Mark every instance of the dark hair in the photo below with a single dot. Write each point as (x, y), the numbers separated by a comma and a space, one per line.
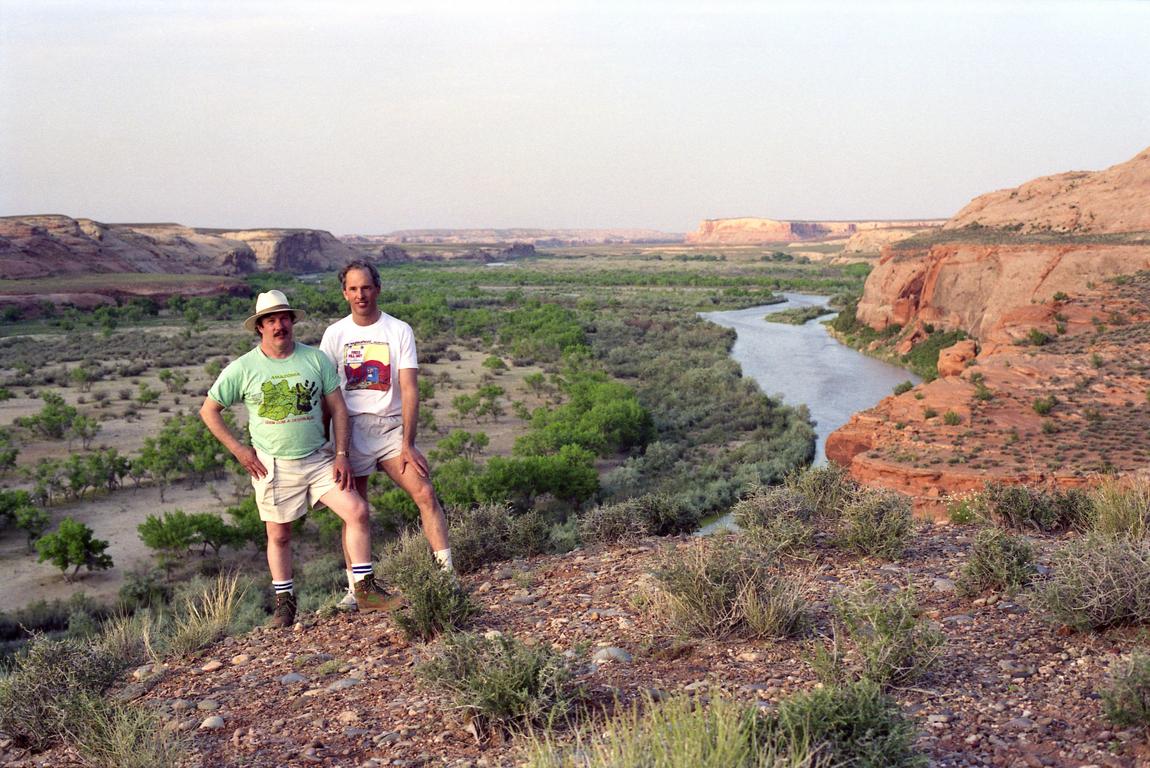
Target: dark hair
(260, 320)
(366, 266)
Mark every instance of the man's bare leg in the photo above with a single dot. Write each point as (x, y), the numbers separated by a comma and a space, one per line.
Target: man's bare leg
(419, 488)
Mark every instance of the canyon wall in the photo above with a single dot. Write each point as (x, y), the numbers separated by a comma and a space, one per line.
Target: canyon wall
(1052, 283)
(760, 231)
(50, 245)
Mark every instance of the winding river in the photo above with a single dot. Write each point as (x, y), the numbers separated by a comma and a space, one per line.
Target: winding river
(803, 364)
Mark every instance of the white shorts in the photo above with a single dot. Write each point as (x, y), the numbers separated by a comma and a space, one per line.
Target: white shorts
(374, 439)
(292, 486)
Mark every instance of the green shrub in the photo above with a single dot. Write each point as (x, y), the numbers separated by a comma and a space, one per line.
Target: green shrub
(1098, 582)
(967, 508)
(612, 522)
(1126, 696)
(775, 521)
(1044, 405)
(503, 681)
(37, 697)
(205, 616)
(479, 536)
(828, 488)
(1020, 506)
(144, 587)
(998, 561)
(112, 734)
(675, 733)
(1121, 507)
(877, 637)
(435, 600)
(877, 523)
(951, 419)
(711, 590)
(902, 387)
(850, 725)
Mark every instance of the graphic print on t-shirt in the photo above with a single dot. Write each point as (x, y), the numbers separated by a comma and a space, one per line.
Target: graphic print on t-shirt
(281, 399)
(367, 365)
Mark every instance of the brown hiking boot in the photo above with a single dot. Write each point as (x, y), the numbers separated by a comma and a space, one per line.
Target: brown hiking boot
(284, 614)
(369, 596)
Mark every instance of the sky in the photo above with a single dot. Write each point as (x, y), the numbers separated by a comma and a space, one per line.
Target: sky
(368, 117)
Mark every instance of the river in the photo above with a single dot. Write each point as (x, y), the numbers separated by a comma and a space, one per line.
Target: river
(804, 364)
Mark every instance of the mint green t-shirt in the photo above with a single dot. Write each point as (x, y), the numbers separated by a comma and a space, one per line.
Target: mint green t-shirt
(282, 396)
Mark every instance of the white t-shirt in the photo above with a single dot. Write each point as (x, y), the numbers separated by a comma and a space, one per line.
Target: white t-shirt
(368, 358)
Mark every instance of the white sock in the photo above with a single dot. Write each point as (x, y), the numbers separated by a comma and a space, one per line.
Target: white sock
(282, 587)
(443, 556)
(350, 580)
(359, 571)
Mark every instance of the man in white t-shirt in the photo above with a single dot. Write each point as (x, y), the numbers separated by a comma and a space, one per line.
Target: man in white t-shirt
(375, 356)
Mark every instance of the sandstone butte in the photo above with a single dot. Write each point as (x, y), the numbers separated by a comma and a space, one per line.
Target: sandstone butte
(1049, 282)
(759, 231)
(81, 259)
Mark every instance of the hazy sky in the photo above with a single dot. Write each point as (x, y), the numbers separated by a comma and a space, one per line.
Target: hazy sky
(373, 116)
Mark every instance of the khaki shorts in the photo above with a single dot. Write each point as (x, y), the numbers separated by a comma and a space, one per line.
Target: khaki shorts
(374, 439)
(292, 486)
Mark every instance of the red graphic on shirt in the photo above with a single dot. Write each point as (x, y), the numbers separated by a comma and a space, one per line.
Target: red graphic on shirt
(367, 365)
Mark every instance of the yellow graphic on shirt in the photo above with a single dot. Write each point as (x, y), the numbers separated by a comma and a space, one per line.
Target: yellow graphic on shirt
(367, 365)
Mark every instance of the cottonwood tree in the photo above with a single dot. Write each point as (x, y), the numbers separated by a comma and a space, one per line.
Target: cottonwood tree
(74, 546)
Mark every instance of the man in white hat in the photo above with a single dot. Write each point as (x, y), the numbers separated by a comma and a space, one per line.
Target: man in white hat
(282, 383)
(375, 356)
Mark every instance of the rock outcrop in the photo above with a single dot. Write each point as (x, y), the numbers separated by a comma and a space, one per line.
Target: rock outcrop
(1052, 280)
(52, 245)
(759, 231)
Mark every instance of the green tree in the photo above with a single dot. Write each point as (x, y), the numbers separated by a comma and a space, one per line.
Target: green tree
(246, 521)
(73, 546)
(211, 531)
(33, 521)
(460, 443)
(170, 535)
(8, 451)
(83, 428)
(53, 420)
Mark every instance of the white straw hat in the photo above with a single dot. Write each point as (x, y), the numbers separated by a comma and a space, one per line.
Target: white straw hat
(267, 303)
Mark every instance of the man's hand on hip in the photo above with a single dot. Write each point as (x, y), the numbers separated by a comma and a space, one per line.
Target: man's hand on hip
(246, 456)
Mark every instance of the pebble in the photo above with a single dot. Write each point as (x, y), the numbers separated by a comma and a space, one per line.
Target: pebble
(944, 585)
(179, 705)
(213, 723)
(142, 672)
(208, 705)
(347, 682)
(348, 716)
(212, 666)
(612, 653)
(958, 618)
(240, 659)
(292, 678)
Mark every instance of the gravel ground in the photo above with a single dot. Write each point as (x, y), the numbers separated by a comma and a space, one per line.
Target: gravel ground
(1012, 689)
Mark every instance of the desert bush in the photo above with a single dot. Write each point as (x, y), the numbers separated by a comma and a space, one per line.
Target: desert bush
(877, 523)
(503, 681)
(877, 637)
(435, 600)
(112, 734)
(144, 587)
(711, 589)
(611, 522)
(73, 546)
(1023, 507)
(849, 725)
(903, 387)
(1126, 695)
(828, 488)
(528, 534)
(998, 560)
(967, 508)
(1098, 582)
(677, 732)
(38, 694)
(775, 521)
(479, 536)
(204, 617)
(1121, 507)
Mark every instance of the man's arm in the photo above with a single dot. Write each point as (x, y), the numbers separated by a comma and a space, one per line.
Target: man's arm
(409, 454)
(340, 437)
(211, 413)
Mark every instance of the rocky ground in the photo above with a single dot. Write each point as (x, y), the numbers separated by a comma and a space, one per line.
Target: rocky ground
(1011, 688)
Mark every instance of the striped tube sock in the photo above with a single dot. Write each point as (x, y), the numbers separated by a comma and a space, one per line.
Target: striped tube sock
(282, 587)
(359, 571)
